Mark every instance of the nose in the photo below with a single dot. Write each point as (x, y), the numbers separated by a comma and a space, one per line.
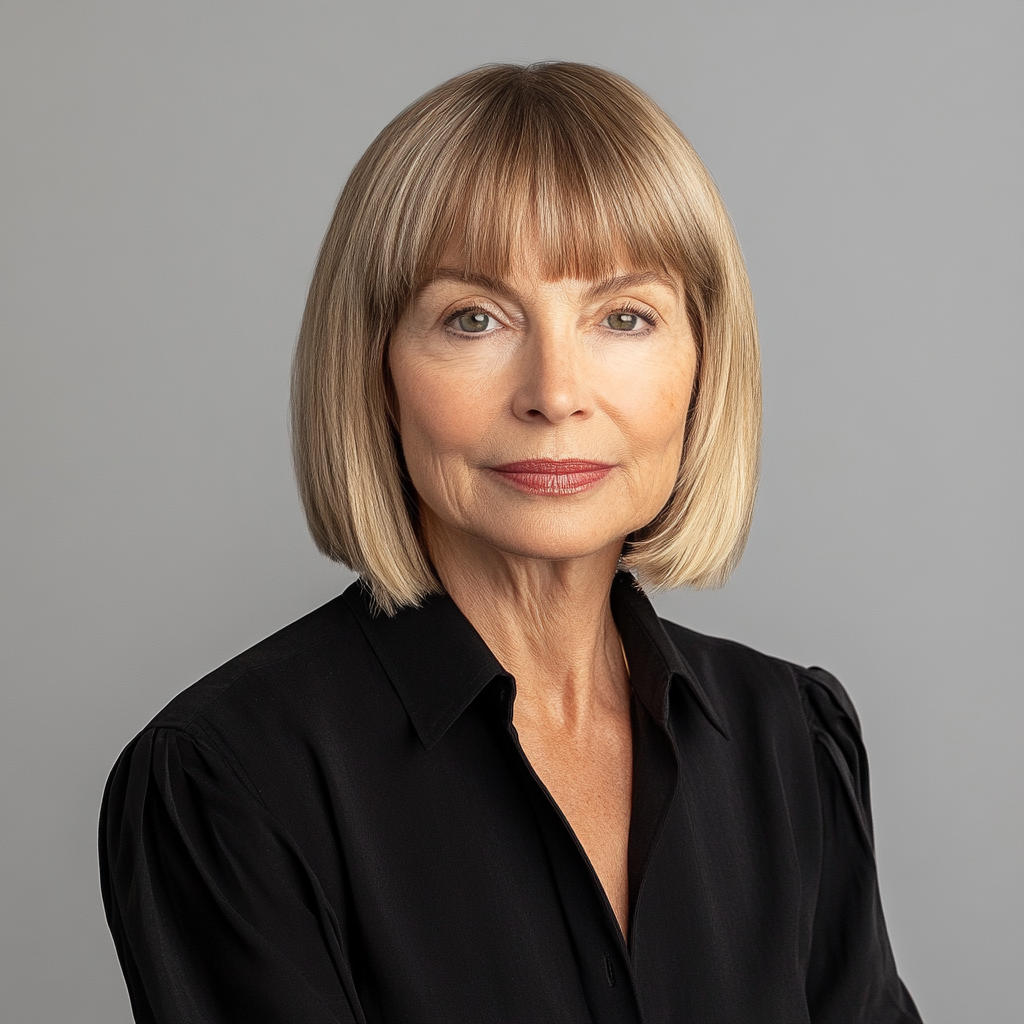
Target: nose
(552, 385)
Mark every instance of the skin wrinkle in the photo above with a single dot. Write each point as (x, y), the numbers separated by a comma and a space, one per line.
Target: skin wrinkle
(533, 572)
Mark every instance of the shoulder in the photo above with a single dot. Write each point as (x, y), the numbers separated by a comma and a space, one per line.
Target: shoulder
(767, 701)
(309, 699)
(299, 671)
(738, 674)
(756, 693)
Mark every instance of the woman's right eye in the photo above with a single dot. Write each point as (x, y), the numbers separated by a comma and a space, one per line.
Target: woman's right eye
(472, 321)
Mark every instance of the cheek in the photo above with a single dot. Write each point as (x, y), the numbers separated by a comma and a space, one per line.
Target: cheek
(653, 405)
(441, 411)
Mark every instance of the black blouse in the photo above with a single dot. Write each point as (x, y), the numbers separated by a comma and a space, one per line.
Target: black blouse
(340, 825)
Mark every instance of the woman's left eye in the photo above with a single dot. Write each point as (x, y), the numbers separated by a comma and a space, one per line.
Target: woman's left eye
(625, 321)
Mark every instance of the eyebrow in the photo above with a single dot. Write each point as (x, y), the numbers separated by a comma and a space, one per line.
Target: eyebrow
(616, 283)
(464, 277)
(621, 282)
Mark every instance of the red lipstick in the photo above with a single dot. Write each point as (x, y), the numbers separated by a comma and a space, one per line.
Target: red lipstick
(553, 476)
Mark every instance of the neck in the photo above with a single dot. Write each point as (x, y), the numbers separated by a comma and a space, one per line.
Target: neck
(548, 622)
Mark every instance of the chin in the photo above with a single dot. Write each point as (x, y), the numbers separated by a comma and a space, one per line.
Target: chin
(553, 529)
(553, 552)
(558, 542)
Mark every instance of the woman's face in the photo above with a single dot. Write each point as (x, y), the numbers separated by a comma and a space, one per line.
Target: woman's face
(544, 418)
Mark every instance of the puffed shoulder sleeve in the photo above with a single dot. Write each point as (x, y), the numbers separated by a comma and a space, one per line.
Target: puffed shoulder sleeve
(852, 976)
(215, 914)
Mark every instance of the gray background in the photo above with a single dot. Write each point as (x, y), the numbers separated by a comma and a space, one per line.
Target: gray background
(167, 173)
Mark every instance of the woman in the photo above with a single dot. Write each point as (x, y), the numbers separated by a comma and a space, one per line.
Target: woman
(487, 783)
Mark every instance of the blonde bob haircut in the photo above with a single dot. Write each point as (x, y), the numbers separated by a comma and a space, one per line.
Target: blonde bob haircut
(586, 163)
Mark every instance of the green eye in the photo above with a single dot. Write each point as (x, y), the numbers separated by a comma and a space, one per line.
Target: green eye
(473, 323)
(623, 321)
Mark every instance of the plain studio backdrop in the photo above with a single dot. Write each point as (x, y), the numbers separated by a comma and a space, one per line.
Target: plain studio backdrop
(167, 173)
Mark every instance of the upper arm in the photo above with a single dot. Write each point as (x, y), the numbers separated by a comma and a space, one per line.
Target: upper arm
(214, 911)
(852, 974)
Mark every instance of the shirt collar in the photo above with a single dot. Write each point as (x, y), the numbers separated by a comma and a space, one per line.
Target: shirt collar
(654, 660)
(439, 664)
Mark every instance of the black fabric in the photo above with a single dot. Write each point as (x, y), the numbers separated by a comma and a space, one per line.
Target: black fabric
(340, 825)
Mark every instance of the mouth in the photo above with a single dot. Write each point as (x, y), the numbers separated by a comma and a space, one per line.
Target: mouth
(553, 476)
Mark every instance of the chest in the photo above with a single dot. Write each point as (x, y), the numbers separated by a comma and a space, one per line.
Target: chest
(589, 776)
(461, 896)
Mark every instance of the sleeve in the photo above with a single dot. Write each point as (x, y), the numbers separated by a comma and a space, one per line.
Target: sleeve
(215, 915)
(852, 976)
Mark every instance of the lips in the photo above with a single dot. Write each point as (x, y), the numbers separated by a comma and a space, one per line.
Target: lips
(553, 476)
